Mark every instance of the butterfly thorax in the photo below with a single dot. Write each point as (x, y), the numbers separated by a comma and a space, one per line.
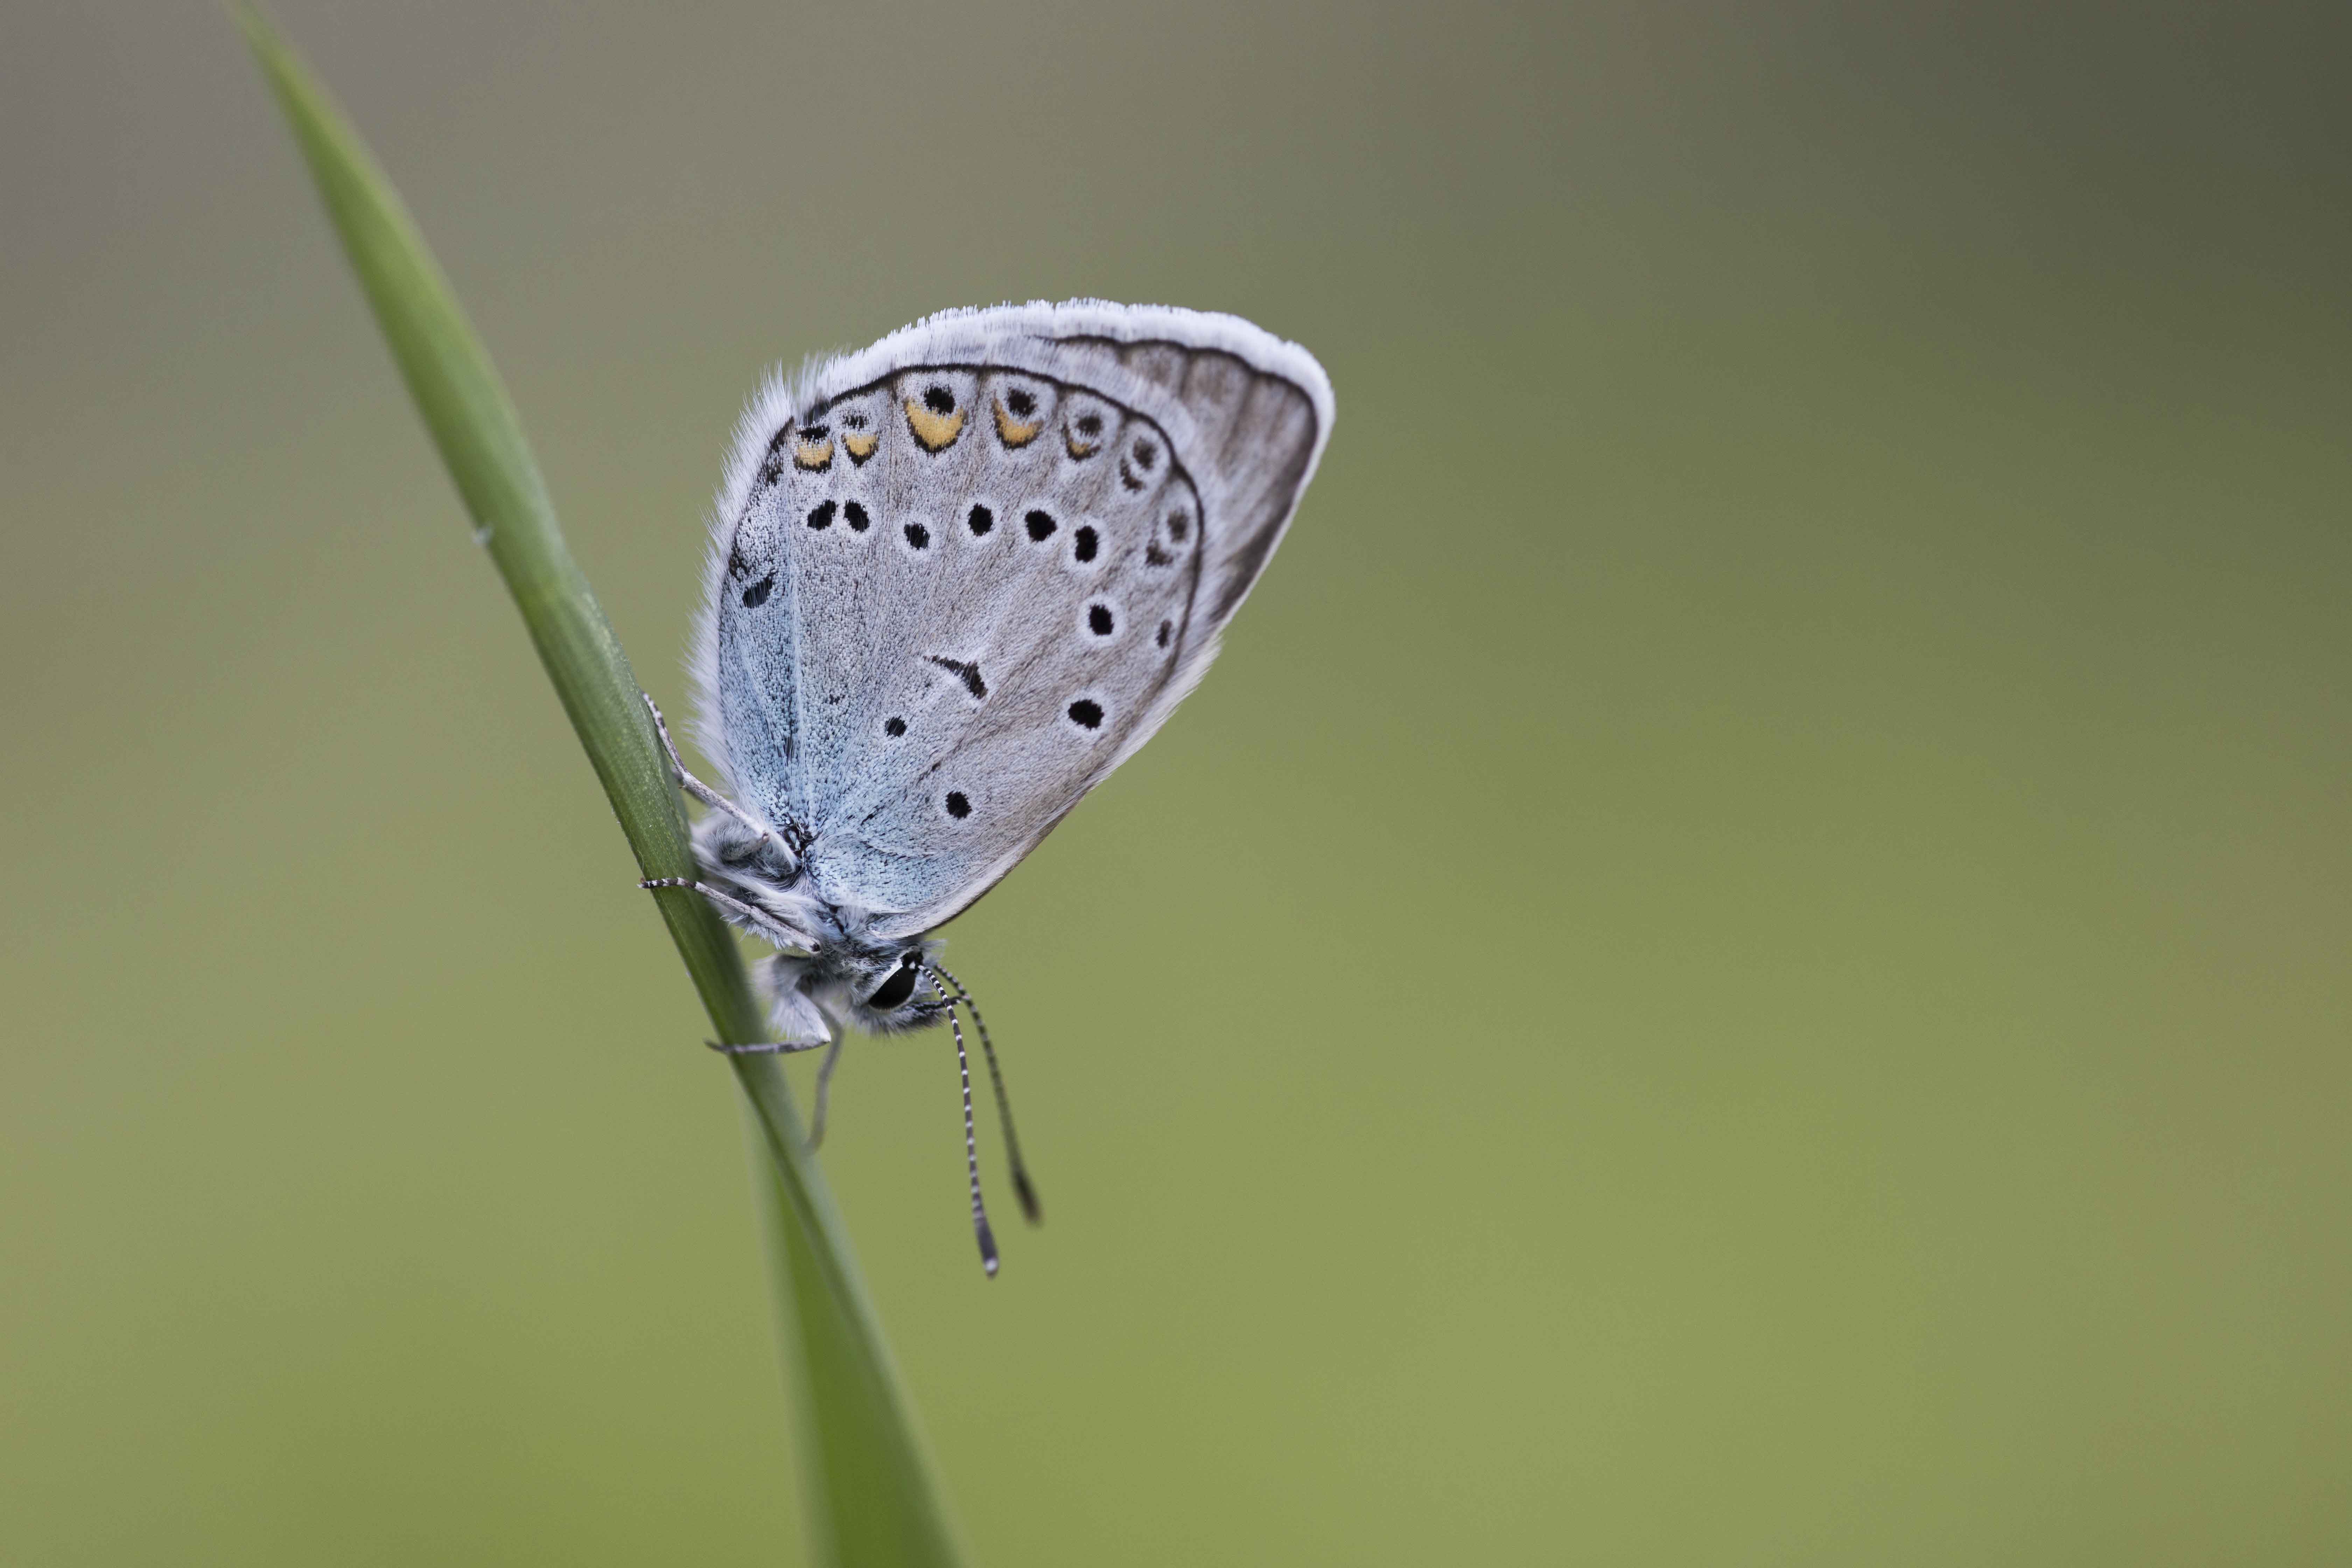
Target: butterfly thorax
(832, 968)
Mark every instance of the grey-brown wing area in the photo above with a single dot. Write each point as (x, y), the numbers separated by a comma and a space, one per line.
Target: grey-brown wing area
(1250, 439)
(987, 585)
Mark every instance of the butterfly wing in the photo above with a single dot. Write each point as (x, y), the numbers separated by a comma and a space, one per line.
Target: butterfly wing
(961, 576)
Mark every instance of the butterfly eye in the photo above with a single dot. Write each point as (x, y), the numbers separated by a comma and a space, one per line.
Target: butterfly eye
(895, 990)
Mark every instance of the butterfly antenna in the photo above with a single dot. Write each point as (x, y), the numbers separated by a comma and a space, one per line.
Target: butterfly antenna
(971, 1156)
(1021, 1185)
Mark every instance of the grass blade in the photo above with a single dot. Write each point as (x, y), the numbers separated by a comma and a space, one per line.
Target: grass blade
(871, 1494)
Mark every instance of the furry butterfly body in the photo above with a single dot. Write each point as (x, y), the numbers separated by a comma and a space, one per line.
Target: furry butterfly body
(954, 580)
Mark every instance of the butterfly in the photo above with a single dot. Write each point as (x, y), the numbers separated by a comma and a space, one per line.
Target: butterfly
(954, 580)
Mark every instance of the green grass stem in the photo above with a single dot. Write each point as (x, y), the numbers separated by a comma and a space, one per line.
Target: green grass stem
(871, 1494)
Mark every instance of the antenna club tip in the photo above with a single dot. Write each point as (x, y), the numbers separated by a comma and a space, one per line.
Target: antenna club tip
(1028, 1196)
(987, 1249)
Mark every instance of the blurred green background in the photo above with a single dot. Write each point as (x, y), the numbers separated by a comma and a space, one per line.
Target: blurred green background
(1744, 960)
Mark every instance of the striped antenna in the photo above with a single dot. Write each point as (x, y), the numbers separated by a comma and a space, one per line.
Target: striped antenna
(1020, 1183)
(971, 1153)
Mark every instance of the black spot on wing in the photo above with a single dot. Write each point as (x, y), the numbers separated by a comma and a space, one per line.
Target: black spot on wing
(968, 673)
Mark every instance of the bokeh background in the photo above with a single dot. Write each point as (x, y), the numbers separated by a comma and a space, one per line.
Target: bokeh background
(1743, 961)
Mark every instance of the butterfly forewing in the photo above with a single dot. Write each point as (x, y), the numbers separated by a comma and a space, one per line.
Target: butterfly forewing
(961, 589)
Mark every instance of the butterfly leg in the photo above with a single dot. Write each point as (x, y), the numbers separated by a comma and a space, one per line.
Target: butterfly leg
(824, 1090)
(772, 1048)
(790, 1047)
(706, 794)
(761, 921)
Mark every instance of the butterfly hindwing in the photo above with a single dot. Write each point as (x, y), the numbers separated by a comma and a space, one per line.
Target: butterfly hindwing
(996, 550)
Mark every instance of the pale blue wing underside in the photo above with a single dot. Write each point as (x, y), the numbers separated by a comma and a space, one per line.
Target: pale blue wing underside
(961, 576)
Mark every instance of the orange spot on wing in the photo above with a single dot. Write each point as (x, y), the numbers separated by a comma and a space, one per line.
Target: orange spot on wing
(934, 431)
(1013, 433)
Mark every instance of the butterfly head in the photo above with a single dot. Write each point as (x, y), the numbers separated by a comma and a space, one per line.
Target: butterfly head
(886, 989)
